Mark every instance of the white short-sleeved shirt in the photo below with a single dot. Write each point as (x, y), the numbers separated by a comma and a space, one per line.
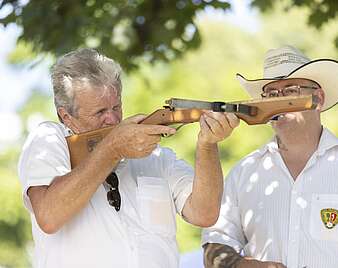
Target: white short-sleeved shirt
(141, 234)
(270, 217)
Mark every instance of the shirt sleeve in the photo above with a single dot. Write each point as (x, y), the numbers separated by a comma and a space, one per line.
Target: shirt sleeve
(44, 156)
(180, 177)
(228, 228)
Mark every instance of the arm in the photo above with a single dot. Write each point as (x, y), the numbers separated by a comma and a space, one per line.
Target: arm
(203, 205)
(58, 203)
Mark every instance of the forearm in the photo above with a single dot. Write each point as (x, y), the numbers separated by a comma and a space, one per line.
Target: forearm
(56, 204)
(205, 201)
(220, 256)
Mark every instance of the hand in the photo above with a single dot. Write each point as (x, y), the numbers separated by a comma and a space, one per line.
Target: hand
(216, 126)
(133, 140)
(247, 263)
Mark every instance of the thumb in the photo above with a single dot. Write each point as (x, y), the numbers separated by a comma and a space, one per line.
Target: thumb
(135, 119)
(158, 129)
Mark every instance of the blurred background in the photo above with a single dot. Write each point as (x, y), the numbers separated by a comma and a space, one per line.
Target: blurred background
(185, 49)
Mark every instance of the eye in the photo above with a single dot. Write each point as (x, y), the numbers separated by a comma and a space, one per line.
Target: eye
(100, 112)
(117, 108)
(291, 90)
(273, 93)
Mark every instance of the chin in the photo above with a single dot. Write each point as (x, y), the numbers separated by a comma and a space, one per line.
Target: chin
(108, 125)
(285, 120)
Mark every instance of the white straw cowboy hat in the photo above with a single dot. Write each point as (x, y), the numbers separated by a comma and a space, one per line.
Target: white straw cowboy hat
(288, 62)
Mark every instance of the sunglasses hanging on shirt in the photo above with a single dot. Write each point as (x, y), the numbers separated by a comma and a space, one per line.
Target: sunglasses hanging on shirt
(113, 195)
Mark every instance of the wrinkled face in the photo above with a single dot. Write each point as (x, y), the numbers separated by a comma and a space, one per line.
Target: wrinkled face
(95, 108)
(295, 87)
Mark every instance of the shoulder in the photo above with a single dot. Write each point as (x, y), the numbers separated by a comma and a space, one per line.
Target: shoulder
(48, 128)
(46, 134)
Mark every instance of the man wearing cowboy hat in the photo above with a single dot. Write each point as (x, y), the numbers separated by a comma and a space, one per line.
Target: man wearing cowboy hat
(280, 204)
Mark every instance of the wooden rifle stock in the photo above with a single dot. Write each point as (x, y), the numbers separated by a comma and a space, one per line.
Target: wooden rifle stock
(260, 112)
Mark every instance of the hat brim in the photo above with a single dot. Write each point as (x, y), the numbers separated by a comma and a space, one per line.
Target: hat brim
(322, 71)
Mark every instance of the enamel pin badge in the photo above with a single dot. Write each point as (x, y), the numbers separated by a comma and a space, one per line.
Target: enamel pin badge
(329, 217)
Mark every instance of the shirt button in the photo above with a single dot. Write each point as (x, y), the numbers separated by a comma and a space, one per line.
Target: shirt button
(297, 227)
(294, 192)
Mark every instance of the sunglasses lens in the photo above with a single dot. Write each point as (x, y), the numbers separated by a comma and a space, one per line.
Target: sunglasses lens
(114, 199)
(112, 180)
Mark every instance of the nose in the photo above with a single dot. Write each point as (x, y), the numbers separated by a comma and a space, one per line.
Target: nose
(112, 118)
(280, 93)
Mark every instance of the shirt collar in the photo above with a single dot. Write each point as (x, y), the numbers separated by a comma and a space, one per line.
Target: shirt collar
(327, 141)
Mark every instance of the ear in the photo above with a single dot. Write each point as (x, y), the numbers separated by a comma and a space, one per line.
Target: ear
(321, 96)
(67, 119)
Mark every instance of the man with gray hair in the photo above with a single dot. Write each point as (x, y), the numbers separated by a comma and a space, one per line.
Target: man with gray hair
(280, 203)
(117, 207)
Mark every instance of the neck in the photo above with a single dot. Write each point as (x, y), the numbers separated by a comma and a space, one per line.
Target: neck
(300, 141)
(297, 147)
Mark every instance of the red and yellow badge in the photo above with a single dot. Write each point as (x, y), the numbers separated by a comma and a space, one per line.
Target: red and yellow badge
(329, 217)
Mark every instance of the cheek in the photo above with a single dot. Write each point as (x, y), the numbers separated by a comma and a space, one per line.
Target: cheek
(94, 124)
(120, 115)
(112, 118)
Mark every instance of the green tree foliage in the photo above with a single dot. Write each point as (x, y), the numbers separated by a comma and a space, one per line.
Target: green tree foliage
(151, 30)
(15, 233)
(319, 12)
(156, 29)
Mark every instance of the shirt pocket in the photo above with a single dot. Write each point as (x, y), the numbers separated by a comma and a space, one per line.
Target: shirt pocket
(324, 217)
(155, 205)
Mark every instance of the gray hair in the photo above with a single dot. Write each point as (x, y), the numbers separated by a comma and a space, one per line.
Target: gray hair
(82, 67)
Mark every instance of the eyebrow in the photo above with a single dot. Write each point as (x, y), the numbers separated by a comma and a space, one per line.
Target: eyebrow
(100, 110)
(103, 109)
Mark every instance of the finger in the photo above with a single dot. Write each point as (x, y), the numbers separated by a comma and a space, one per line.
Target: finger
(149, 149)
(135, 119)
(214, 126)
(221, 118)
(233, 120)
(153, 139)
(206, 131)
(158, 129)
(203, 124)
(145, 139)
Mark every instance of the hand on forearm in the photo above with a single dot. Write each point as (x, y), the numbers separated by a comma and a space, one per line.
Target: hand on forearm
(249, 263)
(216, 126)
(222, 256)
(132, 140)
